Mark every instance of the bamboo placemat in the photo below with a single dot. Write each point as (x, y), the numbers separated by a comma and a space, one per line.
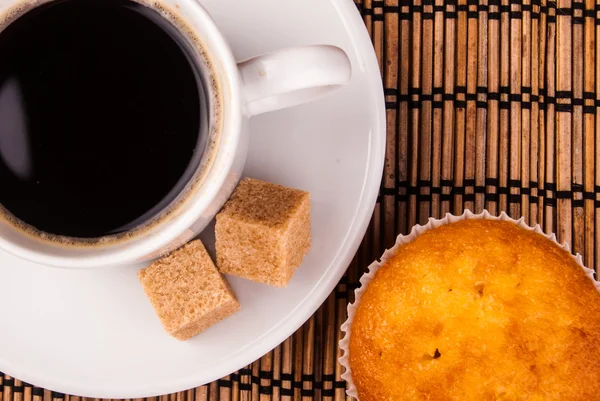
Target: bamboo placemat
(490, 104)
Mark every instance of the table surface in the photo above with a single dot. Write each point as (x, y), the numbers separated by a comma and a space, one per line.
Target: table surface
(488, 106)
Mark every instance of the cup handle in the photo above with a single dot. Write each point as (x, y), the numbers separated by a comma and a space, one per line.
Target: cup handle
(290, 77)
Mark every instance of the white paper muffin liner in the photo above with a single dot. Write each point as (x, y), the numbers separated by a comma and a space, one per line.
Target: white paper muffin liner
(405, 239)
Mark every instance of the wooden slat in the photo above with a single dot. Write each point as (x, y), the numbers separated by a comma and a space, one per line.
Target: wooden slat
(525, 113)
(577, 227)
(438, 117)
(460, 113)
(504, 155)
(390, 175)
(402, 151)
(448, 109)
(425, 131)
(549, 162)
(415, 133)
(534, 149)
(493, 109)
(564, 121)
(589, 82)
(471, 143)
(597, 141)
(483, 129)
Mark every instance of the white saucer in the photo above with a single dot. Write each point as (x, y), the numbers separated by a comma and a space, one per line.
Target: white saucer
(93, 333)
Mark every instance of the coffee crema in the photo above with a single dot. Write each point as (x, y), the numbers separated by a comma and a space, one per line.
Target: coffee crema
(104, 117)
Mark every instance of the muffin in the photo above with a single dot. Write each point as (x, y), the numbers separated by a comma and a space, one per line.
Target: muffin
(480, 309)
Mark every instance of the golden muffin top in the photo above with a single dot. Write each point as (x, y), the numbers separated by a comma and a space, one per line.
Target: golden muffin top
(478, 310)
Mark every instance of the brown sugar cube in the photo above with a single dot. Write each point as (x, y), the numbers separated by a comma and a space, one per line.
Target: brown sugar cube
(187, 291)
(263, 232)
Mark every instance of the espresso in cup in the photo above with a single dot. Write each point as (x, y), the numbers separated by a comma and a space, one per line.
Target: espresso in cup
(105, 117)
(124, 125)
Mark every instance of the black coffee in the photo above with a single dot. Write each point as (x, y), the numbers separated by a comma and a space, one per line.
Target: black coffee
(103, 116)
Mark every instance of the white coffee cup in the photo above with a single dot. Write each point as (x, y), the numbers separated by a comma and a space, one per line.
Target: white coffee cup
(266, 83)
